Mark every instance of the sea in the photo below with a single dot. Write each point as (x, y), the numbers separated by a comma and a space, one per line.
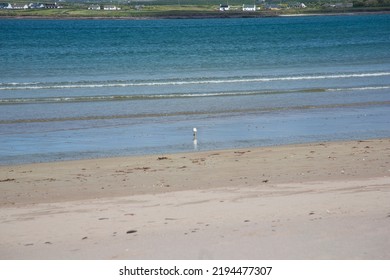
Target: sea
(80, 89)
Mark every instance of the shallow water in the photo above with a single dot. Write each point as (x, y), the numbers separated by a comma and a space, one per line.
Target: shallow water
(72, 89)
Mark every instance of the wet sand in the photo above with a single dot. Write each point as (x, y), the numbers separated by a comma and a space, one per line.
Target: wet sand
(311, 201)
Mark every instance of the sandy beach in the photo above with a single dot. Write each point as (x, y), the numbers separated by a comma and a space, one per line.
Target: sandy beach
(312, 201)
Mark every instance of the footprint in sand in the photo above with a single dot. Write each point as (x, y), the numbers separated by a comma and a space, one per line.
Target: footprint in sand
(162, 158)
(7, 180)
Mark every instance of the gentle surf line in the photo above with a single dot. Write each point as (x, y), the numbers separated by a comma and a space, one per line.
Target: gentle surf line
(12, 101)
(107, 84)
(188, 113)
(73, 99)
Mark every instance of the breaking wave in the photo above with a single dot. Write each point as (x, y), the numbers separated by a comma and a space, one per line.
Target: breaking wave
(177, 82)
(140, 97)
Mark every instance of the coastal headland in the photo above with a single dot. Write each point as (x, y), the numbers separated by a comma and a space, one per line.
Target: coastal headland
(324, 200)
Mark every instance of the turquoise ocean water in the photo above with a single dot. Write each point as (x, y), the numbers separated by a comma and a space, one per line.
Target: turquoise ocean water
(72, 89)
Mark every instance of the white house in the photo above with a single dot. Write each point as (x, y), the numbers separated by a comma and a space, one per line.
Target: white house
(36, 6)
(224, 7)
(249, 8)
(5, 6)
(19, 6)
(44, 6)
(94, 7)
(298, 6)
(50, 6)
(111, 8)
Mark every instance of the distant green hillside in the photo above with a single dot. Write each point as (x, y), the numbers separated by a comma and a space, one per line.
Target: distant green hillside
(193, 8)
(368, 3)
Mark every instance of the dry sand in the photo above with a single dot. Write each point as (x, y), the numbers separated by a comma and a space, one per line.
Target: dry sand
(312, 201)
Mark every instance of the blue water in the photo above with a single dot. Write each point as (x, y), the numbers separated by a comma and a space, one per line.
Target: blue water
(72, 89)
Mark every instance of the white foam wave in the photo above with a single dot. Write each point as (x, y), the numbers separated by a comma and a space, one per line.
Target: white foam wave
(359, 88)
(107, 84)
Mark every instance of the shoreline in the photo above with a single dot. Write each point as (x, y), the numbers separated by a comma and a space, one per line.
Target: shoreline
(151, 174)
(309, 201)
